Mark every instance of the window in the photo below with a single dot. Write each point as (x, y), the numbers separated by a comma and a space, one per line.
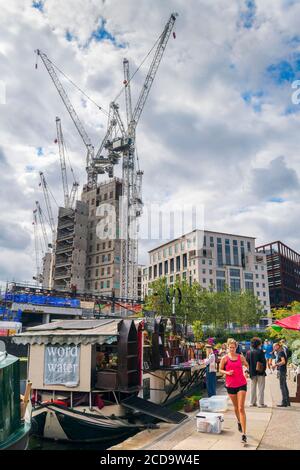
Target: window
(256, 267)
(108, 270)
(210, 262)
(220, 285)
(111, 195)
(103, 246)
(184, 260)
(91, 236)
(265, 303)
(101, 284)
(109, 244)
(177, 248)
(166, 267)
(98, 246)
(90, 260)
(203, 271)
(210, 271)
(262, 268)
(108, 258)
(160, 269)
(97, 259)
(220, 273)
(203, 261)
(96, 285)
(235, 285)
(264, 294)
(256, 276)
(211, 244)
(165, 252)
(155, 270)
(249, 246)
(262, 276)
(257, 284)
(150, 272)
(204, 240)
(102, 272)
(204, 280)
(171, 265)
(97, 272)
(184, 276)
(219, 252)
(249, 285)
(227, 252)
(235, 254)
(264, 285)
(93, 201)
(182, 246)
(177, 263)
(235, 272)
(105, 197)
(171, 278)
(170, 251)
(108, 283)
(258, 293)
(249, 276)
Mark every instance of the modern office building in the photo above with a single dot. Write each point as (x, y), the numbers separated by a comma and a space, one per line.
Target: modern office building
(283, 266)
(214, 260)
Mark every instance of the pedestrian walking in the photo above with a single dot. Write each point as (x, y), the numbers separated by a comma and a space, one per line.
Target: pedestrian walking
(281, 366)
(211, 376)
(257, 371)
(268, 350)
(236, 384)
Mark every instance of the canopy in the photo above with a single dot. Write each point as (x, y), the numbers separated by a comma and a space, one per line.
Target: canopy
(290, 323)
(276, 327)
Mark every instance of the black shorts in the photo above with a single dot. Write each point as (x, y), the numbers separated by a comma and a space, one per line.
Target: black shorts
(235, 390)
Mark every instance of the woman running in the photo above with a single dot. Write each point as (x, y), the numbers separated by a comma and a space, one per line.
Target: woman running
(236, 384)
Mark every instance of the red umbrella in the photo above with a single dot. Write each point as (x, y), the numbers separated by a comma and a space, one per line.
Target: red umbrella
(290, 323)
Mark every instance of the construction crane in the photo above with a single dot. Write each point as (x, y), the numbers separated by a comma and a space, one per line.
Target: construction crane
(132, 177)
(94, 166)
(69, 198)
(45, 189)
(42, 225)
(38, 275)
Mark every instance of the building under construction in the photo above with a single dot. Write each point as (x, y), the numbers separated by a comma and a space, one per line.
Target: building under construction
(95, 244)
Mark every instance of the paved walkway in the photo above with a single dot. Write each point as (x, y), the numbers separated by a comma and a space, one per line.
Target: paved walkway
(267, 428)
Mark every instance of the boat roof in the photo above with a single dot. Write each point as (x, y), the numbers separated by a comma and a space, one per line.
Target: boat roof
(71, 332)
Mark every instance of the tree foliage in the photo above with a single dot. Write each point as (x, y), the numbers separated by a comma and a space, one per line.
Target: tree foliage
(218, 309)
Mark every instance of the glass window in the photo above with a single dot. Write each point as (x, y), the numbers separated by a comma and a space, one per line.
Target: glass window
(220, 285)
(172, 265)
(264, 294)
(204, 280)
(249, 285)
(235, 272)
(182, 246)
(242, 243)
(171, 278)
(248, 276)
(235, 285)
(258, 293)
(262, 276)
(204, 240)
(248, 246)
(203, 271)
(150, 272)
(235, 255)
(257, 284)
(264, 285)
(166, 267)
(262, 268)
(155, 270)
(234, 242)
(159, 255)
(227, 253)
(211, 242)
(256, 267)
(184, 260)
(160, 269)
(220, 273)
(177, 263)
(177, 248)
(184, 275)
(219, 253)
(203, 261)
(170, 250)
(165, 252)
(210, 271)
(219, 240)
(227, 241)
(210, 262)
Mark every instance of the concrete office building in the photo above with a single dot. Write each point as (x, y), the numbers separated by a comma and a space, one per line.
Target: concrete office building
(283, 266)
(214, 260)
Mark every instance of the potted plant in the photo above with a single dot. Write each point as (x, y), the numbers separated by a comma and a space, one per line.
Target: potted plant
(190, 404)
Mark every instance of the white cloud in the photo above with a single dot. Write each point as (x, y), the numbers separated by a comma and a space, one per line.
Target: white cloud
(198, 138)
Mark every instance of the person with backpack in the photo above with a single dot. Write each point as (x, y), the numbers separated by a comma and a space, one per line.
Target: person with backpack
(281, 365)
(257, 371)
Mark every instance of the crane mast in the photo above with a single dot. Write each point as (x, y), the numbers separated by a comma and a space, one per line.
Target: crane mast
(38, 275)
(131, 208)
(61, 148)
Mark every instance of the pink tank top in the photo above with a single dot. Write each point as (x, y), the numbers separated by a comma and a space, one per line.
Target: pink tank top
(237, 379)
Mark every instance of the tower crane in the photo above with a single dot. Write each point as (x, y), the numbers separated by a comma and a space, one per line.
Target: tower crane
(93, 166)
(42, 225)
(45, 189)
(132, 177)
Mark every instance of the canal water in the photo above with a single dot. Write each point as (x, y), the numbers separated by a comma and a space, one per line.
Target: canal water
(36, 443)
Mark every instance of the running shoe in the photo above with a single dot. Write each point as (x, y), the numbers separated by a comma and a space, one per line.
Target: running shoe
(244, 439)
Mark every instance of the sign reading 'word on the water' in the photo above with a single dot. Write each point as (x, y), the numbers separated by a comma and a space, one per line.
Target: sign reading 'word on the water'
(62, 365)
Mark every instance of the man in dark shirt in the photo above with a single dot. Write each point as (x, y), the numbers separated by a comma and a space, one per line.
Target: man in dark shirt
(281, 365)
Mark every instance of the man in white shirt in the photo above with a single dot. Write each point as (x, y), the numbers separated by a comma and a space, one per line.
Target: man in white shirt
(211, 376)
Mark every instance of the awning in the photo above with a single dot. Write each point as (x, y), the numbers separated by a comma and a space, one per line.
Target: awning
(289, 323)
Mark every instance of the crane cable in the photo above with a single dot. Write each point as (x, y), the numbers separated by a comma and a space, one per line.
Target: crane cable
(76, 86)
(141, 64)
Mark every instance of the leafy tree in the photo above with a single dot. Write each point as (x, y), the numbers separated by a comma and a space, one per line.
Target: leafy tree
(197, 330)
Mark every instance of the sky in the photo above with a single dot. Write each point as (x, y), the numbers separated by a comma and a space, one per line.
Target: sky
(219, 130)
